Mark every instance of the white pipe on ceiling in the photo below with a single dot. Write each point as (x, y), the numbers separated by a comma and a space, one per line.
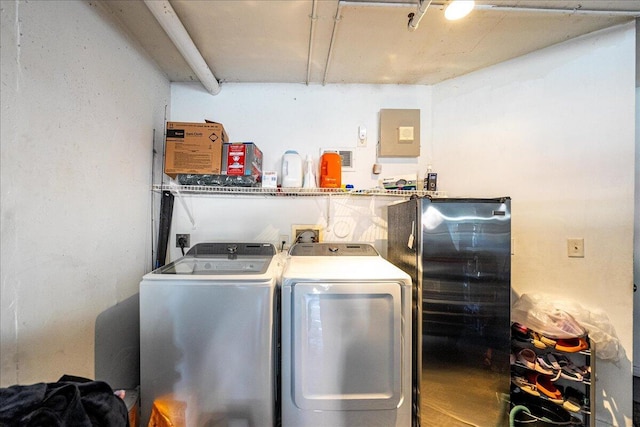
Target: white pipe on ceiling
(314, 18)
(577, 11)
(333, 38)
(496, 8)
(414, 21)
(169, 21)
(377, 3)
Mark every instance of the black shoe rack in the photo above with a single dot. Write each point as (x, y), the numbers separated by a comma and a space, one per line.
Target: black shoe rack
(538, 392)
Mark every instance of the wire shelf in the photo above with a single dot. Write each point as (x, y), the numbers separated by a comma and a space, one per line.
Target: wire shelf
(207, 189)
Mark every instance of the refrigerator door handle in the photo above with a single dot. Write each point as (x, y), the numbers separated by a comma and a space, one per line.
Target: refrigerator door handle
(412, 239)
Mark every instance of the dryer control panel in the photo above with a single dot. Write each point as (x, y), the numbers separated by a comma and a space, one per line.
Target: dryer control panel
(333, 249)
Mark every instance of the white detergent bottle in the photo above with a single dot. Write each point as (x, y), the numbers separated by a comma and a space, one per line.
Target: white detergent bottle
(291, 169)
(309, 175)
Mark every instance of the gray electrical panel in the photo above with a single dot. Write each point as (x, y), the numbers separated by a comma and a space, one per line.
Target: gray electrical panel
(399, 133)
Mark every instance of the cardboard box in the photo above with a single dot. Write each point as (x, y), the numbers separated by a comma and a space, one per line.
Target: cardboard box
(242, 158)
(193, 148)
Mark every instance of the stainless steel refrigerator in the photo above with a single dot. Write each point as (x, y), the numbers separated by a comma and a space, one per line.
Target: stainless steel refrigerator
(458, 254)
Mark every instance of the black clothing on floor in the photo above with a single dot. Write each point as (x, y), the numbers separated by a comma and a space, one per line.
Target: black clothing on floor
(70, 402)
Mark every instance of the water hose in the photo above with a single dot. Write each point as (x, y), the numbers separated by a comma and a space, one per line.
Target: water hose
(514, 412)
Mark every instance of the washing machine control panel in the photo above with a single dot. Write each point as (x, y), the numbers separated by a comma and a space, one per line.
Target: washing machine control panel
(254, 249)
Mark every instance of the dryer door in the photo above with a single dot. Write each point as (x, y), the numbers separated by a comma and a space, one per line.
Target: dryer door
(347, 350)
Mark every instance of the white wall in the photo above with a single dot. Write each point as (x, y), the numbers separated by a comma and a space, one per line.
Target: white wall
(554, 130)
(79, 108)
(278, 117)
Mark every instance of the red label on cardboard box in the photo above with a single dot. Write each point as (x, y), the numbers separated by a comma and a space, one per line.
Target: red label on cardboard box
(236, 159)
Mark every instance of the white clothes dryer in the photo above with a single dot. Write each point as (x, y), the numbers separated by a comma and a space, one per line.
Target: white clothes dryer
(346, 338)
(208, 335)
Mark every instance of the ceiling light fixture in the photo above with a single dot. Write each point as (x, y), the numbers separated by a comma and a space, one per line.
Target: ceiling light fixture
(458, 9)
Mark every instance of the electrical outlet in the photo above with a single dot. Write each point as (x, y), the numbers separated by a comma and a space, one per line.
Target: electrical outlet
(183, 240)
(283, 243)
(575, 248)
(306, 233)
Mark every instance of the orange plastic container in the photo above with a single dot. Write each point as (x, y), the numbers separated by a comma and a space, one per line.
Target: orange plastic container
(330, 170)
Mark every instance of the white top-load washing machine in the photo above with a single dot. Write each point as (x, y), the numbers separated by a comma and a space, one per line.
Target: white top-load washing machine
(207, 335)
(346, 338)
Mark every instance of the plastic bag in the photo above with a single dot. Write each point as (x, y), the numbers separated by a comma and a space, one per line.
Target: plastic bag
(564, 319)
(601, 331)
(539, 314)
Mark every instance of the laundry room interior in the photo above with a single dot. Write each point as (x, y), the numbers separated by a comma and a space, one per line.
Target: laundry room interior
(547, 135)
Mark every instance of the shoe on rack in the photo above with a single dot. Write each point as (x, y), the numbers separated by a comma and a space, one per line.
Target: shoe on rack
(575, 400)
(571, 345)
(524, 384)
(520, 332)
(545, 386)
(542, 342)
(529, 359)
(569, 370)
(549, 363)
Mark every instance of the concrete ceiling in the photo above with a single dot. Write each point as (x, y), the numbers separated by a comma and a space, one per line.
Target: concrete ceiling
(359, 41)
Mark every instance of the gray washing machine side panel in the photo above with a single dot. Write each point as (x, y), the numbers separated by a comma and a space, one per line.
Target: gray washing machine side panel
(210, 345)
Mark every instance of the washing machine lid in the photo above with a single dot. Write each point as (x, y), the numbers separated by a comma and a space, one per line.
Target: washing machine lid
(222, 259)
(333, 249)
